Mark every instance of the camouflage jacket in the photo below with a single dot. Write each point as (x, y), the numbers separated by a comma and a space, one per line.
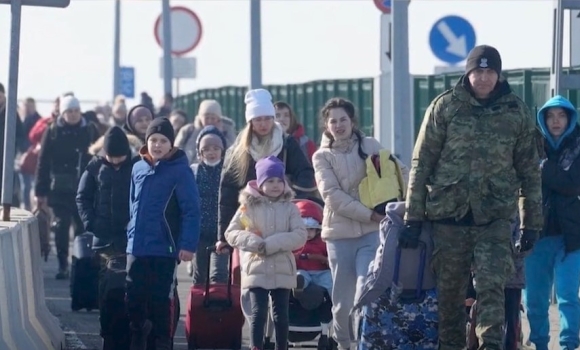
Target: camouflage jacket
(470, 156)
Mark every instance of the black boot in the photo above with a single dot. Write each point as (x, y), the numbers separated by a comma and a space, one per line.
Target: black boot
(63, 272)
(163, 343)
(139, 336)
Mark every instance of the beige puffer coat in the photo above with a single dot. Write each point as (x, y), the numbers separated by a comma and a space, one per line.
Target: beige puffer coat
(279, 226)
(339, 171)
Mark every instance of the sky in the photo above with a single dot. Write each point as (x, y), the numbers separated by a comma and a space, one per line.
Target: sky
(302, 40)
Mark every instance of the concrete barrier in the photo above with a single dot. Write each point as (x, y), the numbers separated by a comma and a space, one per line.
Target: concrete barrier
(25, 322)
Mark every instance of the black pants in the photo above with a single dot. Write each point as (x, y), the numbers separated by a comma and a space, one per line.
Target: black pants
(219, 264)
(513, 300)
(112, 310)
(64, 216)
(150, 291)
(280, 306)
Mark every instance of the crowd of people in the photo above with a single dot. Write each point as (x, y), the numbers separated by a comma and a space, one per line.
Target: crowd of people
(156, 190)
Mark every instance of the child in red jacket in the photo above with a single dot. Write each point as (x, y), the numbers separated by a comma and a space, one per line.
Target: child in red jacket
(312, 259)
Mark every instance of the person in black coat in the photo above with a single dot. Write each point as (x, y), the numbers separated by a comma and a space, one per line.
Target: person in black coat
(260, 138)
(103, 203)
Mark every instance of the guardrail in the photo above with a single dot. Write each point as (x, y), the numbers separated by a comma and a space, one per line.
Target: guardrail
(25, 321)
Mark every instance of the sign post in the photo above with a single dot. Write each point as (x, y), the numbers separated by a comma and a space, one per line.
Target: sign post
(382, 119)
(401, 101)
(12, 100)
(451, 38)
(575, 38)
(186, 31)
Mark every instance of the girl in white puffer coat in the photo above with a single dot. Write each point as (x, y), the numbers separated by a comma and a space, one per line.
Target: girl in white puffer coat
(266, 229)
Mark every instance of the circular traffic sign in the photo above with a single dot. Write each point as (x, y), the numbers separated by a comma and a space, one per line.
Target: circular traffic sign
(186, 30)
(383, 5)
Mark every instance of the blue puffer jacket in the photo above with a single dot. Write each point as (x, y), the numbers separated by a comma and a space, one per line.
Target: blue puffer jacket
(164, 206)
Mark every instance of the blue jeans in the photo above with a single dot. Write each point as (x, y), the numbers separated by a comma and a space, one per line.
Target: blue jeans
(548, 265)
(322, 278)
(26, 182)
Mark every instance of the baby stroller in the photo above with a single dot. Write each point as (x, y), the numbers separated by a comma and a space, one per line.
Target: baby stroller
(310, 313)
(310, 317)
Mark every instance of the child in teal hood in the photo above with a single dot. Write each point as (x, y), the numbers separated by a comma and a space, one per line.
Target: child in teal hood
(555, 259)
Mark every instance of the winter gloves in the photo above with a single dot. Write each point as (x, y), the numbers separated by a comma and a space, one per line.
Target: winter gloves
(527, 240)
(409, 236)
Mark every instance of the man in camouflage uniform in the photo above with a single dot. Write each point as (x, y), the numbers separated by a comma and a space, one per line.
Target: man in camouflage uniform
(474, 156)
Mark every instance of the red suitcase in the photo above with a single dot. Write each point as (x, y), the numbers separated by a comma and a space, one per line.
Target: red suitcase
(214, 318)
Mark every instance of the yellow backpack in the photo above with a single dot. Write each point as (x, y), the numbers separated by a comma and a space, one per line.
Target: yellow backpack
(376, 189)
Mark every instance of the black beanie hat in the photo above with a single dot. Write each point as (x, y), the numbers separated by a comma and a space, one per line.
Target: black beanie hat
(116, 143)
(483, 56)
(161, 126)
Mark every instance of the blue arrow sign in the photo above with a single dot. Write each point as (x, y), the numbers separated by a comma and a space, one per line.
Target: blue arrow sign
(127, 82)
(451, 39)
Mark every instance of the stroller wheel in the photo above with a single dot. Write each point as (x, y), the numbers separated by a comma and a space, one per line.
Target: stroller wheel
(322, 343)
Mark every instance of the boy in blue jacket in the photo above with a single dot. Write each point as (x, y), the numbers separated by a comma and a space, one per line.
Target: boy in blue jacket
(163, 229)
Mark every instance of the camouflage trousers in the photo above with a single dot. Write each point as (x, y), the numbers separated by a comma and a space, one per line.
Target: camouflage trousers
(489, 249)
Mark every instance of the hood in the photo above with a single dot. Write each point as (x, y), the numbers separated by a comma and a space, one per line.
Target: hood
(251, 195)
(325, 140)
(562, 102)
(175, 157)
(463, 92)
(97, 147)
(128, 126)
(299, 132)
(210, 129)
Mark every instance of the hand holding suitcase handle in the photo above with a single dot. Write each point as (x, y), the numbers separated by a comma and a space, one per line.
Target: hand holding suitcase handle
(212, 250)
(422, 260)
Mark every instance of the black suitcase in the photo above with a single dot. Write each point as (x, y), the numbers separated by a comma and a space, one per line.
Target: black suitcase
(84, 277)
(114, 318)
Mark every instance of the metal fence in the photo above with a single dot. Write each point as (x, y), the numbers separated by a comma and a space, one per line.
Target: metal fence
(532, 85)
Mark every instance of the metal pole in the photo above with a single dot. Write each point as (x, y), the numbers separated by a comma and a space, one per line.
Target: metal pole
(382, 118)
(574, 38)
(557, 49)
(11, 110)
(256, 45)
(117, 50)
(167, 59)
(403, 136)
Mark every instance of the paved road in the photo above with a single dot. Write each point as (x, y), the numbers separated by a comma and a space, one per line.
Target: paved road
(82, 328)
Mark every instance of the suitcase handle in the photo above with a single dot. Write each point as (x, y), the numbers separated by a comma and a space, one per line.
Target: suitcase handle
(211, 250)
(421, 271)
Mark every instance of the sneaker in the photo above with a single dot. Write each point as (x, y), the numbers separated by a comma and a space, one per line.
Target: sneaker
(62, 275)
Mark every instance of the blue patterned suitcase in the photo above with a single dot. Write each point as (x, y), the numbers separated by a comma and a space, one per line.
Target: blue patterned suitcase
(404, 319)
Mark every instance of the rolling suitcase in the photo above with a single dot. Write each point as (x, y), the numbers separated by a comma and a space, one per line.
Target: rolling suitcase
(114, 318)
(214, 318)
(84, 277)
(401, 317)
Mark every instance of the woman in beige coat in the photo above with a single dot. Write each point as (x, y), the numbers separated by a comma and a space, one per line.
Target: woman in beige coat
(266, 229)
(350, 229)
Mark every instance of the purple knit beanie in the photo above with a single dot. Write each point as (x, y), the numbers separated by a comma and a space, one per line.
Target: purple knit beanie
(267, 168)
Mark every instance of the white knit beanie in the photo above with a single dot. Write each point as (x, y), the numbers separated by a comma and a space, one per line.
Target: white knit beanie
(68, 102)
(259, 104)
(210, 106)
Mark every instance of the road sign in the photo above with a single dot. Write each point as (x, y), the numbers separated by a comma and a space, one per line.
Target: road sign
(42, 3)
(383, 5)
(186, 30)
(451, 39)
(127, 81)
(183, 68)
(575, 38)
